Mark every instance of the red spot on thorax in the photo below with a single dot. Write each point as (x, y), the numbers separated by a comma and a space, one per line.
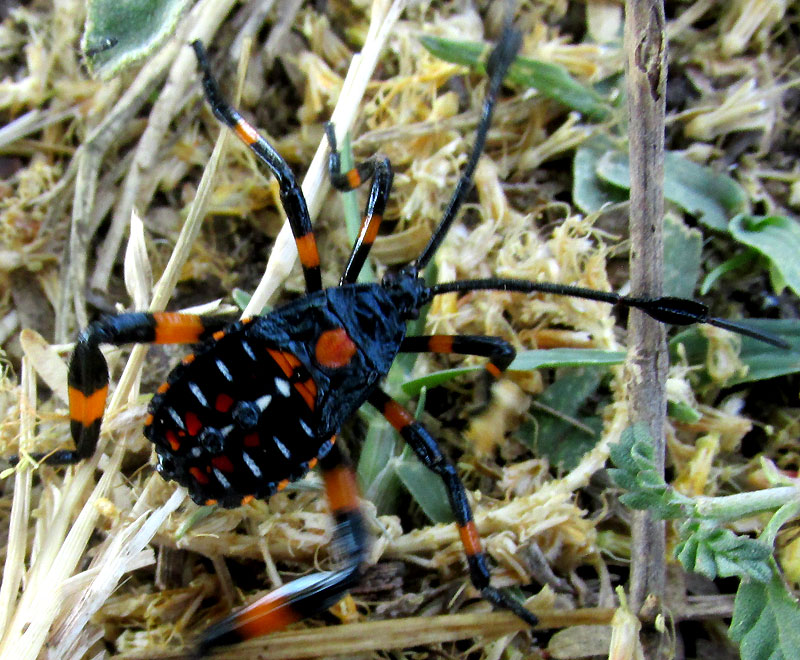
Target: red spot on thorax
(334, 348)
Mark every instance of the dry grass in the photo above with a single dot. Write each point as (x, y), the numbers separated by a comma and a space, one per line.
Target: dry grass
(105, 558)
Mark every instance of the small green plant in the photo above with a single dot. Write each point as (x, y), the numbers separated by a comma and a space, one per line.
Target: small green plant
(766, 617)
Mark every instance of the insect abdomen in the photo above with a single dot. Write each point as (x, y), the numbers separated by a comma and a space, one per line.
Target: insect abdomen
(230, 424)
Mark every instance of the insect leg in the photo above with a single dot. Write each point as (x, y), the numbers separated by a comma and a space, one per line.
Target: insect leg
(380, 171)
(311, 594)
(294, 203)
(499, 351)
(87, 378)
(428, 451)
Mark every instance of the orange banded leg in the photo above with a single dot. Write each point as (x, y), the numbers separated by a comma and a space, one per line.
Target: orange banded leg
(428, 451)
(294, 204)
(500, 353)
(311, 594)
(353, 178)
(87, 379)
(380, 171)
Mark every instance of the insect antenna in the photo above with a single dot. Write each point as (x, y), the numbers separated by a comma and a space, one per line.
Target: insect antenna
(497, 66)
(666, 309)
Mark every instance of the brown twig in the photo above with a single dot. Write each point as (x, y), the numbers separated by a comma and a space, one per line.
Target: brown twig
(647, 362)
(384, 635)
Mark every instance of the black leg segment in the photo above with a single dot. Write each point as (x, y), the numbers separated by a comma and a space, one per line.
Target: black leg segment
(380, 171)
(428, 451)
(88, 372)
(294, 203)
(500, 353)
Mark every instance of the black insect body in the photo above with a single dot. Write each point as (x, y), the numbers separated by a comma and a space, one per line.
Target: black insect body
(259, 404)
(260, 400)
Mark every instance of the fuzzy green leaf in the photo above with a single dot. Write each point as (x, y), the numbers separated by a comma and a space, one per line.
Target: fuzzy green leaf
(636, 472)
(683, 257)
(118, 34)
(557, 431)
(715, 551)
(766, 620)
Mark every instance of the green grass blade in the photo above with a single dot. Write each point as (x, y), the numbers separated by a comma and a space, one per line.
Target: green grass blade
(550, 80)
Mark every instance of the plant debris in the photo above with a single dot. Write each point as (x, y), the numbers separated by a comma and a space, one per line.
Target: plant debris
(106, 559)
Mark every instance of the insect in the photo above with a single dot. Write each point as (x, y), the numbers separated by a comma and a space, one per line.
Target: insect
(260, 401)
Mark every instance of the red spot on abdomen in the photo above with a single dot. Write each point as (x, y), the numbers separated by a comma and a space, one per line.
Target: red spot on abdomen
(223, 403)
(193, 424)
(223, 463)
(172, 440)
(199, 475)
(334, 348)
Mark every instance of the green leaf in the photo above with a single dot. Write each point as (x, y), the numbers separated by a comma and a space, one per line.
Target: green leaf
(777, 238)
(118, 34)
(766, 620)
(241, 298)
(555, 82)
(683, 248)
(737, 261)
(641, 501)
(762, 360)
(195, 518)
(424, 486)
(414, 386)
(565, 357)
(683, 412)
(467, 53)
(707, 195)
(589, 192)
(715, 551)
(711, 197)
(550, 80)
(525, 361)
(783, 515)
(636, 472)
(551, 433)
(379, 482)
